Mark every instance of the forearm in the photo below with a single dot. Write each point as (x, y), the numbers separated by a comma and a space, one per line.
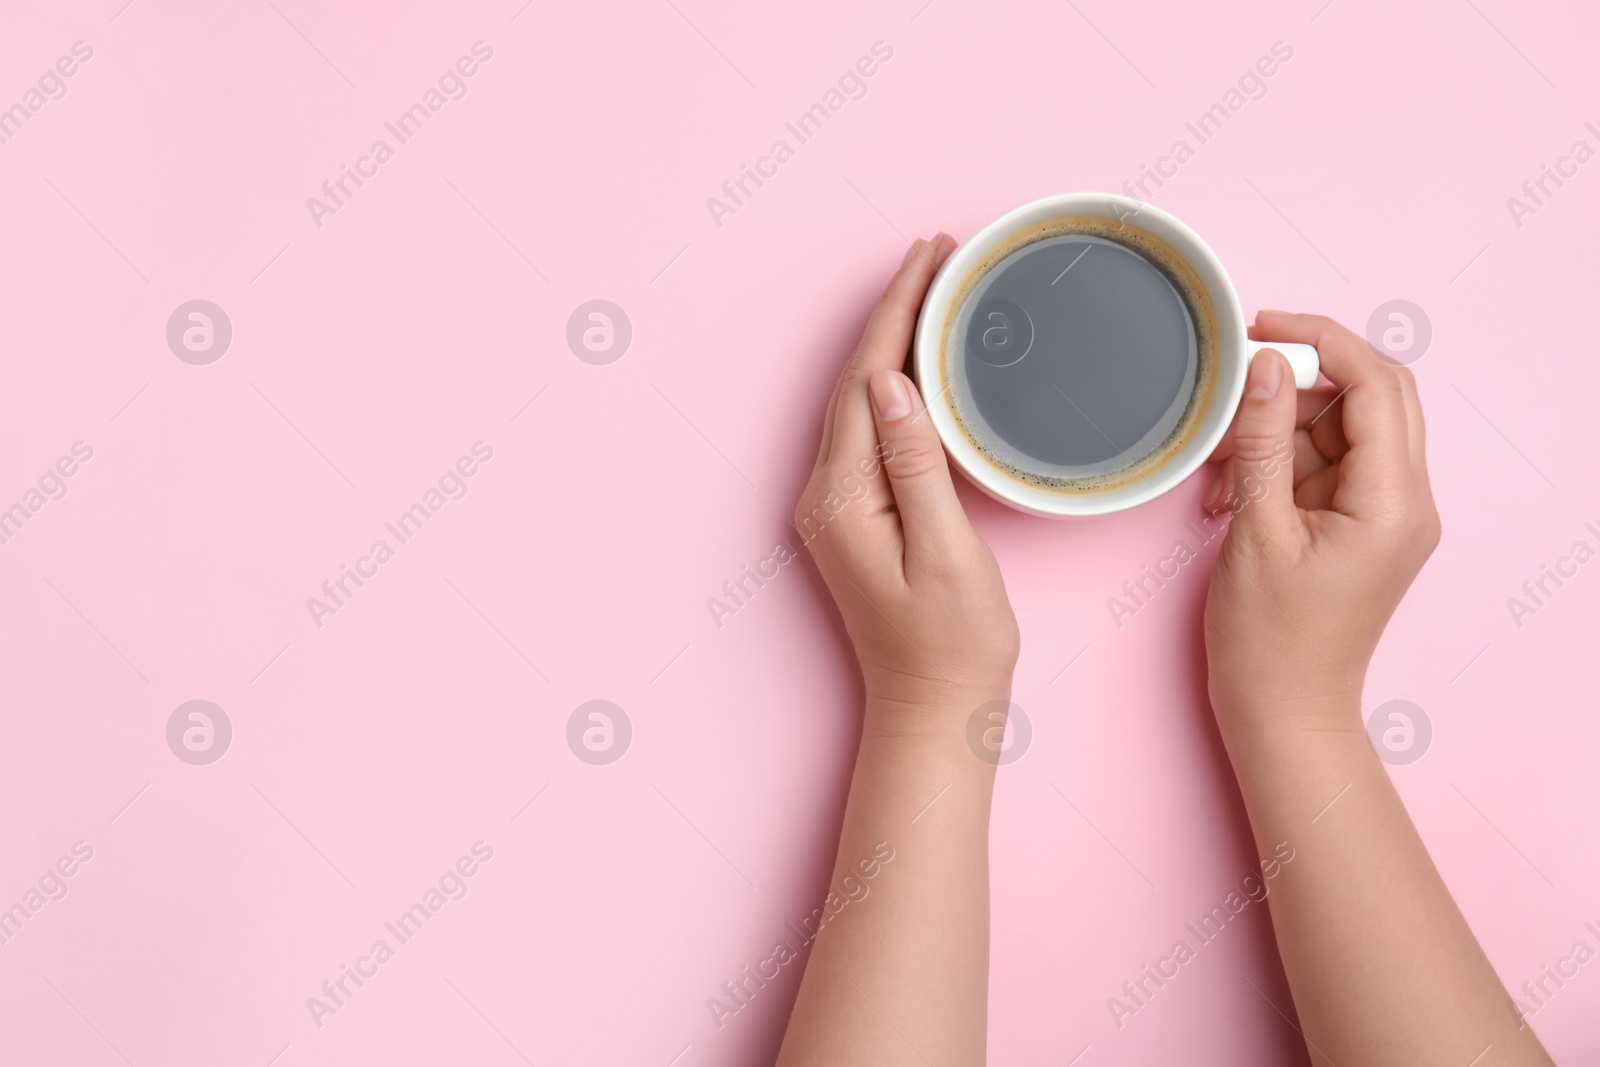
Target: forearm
(900, 973)
(1382, 965)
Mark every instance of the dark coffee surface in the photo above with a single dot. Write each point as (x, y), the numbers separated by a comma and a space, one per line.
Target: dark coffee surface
(1078, 351)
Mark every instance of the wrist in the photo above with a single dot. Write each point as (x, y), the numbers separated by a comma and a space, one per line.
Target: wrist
(1287, 777)
(907, 707)
(1266, 734)
(1291, 706)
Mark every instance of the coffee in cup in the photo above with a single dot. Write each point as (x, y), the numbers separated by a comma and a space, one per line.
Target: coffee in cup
(1084, 354)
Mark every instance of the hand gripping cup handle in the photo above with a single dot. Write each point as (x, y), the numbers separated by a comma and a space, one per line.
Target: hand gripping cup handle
(1302, 359)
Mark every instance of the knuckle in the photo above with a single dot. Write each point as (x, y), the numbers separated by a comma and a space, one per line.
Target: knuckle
(855, 371)
(1397, 393)
(1398, 519)
(803, 504)
(1333, 336)
(913, 456)
(1327, 331)
(1386, 382)
(1253, 444)
(811, 513)
(891, 312)
(1407, 379)
(939, 566)
(1259, 542)
(1426, 528)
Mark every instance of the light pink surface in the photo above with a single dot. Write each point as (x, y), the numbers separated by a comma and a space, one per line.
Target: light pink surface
(421, 718)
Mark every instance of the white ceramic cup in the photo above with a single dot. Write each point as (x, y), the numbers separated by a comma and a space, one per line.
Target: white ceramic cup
(1235, 350)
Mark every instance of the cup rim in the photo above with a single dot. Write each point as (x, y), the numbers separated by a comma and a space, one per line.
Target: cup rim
(1231, 345)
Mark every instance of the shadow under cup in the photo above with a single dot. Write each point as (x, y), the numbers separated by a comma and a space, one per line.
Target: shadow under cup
(1079, 354)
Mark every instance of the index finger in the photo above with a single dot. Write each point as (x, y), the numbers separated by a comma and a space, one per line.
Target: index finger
(1374, 416)
(1374, 406)
(885, 344)
(901, 285)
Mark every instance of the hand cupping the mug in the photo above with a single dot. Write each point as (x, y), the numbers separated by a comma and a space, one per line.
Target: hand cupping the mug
(921, 595)
(1322, 547)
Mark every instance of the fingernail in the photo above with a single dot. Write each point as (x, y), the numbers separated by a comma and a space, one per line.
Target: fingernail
(1211, 496)
(1266, 375)
(889, 395)
(914, 250)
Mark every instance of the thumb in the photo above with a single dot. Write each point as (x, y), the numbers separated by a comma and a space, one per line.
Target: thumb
(1262, 466)
(913, 456)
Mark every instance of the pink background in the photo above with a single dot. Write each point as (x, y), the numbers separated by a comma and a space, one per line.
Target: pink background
(369, 353)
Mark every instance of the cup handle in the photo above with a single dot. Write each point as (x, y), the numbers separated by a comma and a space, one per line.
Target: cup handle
(1302, 358)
